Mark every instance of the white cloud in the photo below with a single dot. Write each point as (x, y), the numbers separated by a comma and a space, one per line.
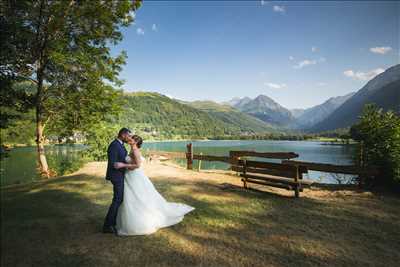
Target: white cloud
(140, 31)
(291, 58)
(308, 62)
(305, 63)
(314, 49)
(363, 76)
(380, 50)
(154, 27)
(264, 2)
(321, 84)
(275, 85)
(280, 9)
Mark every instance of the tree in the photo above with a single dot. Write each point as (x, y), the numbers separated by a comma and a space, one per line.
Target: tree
(62, 48)
(378, 133)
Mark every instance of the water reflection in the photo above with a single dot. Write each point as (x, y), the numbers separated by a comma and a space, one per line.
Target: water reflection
(20, 165)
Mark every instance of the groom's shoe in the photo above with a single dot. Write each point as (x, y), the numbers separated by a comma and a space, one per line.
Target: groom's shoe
(109, 230)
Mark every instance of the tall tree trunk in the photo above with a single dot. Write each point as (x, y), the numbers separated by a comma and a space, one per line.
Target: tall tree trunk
(43, 166)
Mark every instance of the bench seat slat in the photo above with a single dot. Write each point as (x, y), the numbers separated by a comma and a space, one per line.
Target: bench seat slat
(282, 173)
(268, 165)
(279, 185)
(277, 179)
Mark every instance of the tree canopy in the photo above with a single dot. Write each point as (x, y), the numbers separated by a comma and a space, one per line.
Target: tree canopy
(379, 135)
(62, 48)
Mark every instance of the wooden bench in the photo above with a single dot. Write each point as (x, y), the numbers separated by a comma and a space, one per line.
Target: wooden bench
(279, 175)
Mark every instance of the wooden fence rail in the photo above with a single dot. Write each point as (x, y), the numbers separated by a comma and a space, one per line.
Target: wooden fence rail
(212, 158)
(323, 167)
(167, 154)
(270, 155)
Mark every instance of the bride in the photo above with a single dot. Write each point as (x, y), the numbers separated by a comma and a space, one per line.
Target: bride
(143, 210)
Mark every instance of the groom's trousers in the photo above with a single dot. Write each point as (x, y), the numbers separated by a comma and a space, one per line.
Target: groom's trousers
(118, 188)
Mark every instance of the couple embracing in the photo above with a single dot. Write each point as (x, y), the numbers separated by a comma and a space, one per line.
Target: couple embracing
(137, 208)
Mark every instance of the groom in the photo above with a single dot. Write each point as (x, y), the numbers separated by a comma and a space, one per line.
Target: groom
(116, 167)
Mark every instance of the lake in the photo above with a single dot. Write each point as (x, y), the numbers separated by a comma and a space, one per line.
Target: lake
(20, 166)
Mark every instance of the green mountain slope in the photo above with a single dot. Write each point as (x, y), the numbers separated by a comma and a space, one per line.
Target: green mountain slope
(232, 116)
(210, 106)
(156, 115)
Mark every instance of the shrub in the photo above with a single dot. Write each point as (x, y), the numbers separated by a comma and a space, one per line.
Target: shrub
(378, 134)
(98, 138)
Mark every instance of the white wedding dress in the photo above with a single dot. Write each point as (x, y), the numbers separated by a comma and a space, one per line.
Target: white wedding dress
(143, 210)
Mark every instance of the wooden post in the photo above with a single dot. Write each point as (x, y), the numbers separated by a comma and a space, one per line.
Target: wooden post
(297, 183)
(233, 158)
(244, 174)
(189, 156)
(199, 166)
(361, 166)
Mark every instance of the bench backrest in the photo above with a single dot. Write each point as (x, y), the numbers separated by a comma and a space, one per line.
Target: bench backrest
(269, 168)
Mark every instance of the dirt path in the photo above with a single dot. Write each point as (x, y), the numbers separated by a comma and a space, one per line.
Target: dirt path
(159, 171)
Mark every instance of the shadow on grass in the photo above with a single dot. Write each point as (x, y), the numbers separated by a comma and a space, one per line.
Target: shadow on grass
(58, 222)
(280, 230)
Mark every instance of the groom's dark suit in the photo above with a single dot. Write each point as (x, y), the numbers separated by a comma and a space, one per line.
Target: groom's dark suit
(116, 153)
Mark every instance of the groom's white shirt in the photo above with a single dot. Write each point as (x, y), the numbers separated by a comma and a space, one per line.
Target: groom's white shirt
(120, 141)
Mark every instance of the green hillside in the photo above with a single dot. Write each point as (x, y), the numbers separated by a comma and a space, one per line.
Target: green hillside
(232, 116)
(211, 106)
(155, 115)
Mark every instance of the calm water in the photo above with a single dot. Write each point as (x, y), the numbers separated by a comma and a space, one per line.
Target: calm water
(20, 166)
(21, 163)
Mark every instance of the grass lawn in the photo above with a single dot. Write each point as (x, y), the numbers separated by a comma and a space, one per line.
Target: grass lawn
(58, 222)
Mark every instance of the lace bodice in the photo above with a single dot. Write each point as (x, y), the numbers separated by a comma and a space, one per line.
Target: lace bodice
(128, 159)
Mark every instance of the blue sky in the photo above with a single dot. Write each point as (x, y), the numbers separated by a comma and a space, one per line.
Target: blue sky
(297, 53)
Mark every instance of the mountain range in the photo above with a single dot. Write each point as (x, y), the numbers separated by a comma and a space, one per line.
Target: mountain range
(336, 112)
(307, 118)
(265, 109)
(156, 115)
(383, 91)
(164, 117)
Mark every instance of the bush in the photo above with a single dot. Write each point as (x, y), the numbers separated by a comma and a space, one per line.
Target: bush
(66, 165)
(378, 133)
(98, 138)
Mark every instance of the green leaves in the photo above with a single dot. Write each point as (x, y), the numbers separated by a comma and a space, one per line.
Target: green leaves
(62, 47)
(98, 139)
(379, 135)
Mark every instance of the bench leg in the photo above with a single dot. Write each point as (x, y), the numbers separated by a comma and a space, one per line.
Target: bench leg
(244, 183)
(296, 191)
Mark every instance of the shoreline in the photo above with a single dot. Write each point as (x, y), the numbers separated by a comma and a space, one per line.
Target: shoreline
(167, 163)
(8, 147)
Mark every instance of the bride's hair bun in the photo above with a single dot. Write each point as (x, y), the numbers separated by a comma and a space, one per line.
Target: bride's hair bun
(138, 140)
